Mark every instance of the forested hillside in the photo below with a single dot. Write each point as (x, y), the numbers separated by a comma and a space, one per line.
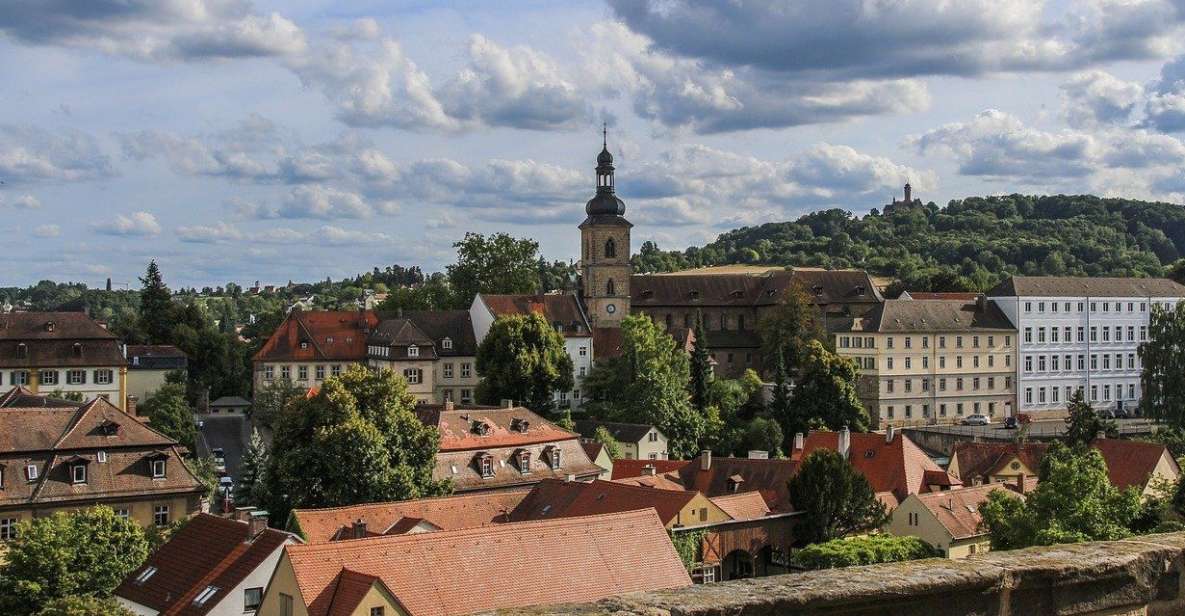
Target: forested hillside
(968, 245)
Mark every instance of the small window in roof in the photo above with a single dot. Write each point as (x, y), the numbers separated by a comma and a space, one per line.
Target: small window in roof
(205, 595)
(447, 343)
(147, 573)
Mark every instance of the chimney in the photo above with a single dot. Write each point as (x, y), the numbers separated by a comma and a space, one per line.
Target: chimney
(507, 403)
(705, 460)
(449, 406)
(798, 441)
(129, 405)
(1020, 483)
(649, 470)
(256, 523)
(890, 432)
(845, 442)
(359, 529)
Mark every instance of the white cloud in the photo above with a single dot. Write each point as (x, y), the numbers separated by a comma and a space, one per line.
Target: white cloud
(1097, 98)
(137, 224)
(21, 202)
(337, 236)
(29, 154)
(47, 231)
(154, 30)
(209, 234)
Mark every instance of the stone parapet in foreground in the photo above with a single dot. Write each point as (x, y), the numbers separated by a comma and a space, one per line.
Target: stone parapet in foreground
(1138, 576)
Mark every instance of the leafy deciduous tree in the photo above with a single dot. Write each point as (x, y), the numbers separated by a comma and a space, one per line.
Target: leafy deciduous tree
(825, 392)
(1083, 423)
(169, 414)
(834, 499)
(84, 606)
(612, 446)
(523, 358)
(497, 264)
(788, 330)
(855, 551)
(1163, 356)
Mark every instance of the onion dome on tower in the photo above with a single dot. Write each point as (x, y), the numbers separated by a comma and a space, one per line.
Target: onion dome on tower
(605, 203)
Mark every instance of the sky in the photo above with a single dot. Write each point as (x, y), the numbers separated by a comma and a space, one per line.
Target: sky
(240, 141)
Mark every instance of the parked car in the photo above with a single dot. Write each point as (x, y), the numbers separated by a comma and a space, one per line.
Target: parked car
(977, 420)
(1011, 423)
(226, 484)
(219, 459)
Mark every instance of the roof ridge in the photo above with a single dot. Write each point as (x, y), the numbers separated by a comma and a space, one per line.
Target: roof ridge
(465, 495)
(79, 413)
(312, 339)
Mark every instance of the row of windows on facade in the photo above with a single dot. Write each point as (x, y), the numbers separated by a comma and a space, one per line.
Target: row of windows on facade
(869, 342)
(976, 383)
(1108, 306)
(1064, 364)
(101, 376)
(959, 409)
(160, 518)
(521, 460)
(78, 470)
(302, 372)
(869, 363)
(1081, 331)
(712, 322)
(1054, 393)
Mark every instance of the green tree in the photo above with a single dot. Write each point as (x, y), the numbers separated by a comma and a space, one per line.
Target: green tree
(252, 487)
(84, 606)
(825, 392)
(647, 383)
(169, 414)
(85, 553)
(271, 399)
(834, 499)
(701, 366)
(358, 440)
(788, 330)
(156, 306)
(1083, 424)
(497, 264)
(764, 434)
(566, 422)
(523, 358)
(1074, 501)
(612, 446)
(1163, 356)
(856, 551)
(780, 407)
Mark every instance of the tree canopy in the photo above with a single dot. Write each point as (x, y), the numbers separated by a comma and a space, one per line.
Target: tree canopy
(1163, 358)
(855, 551)
(1083, 423)
(835, 500)
(496, 264)
(825, 393)
(523, 358)
(169, 414)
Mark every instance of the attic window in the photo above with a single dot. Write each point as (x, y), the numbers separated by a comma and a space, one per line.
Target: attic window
(481, 428)
(49, 326)
(22, 349)
(519, 425)
(78, 349)
(647, 293)
(737, 293)
(524, 462)
(147, 573)
(328, 339)
(31, 472)
(555, 458)
(871, 453)
(304, 345)
(78, 473)
(694, 295)
(446, 344)
(205, 595)
(109, 428)
(860, 290)
(413, 351)
(485, 463)
(818, 290)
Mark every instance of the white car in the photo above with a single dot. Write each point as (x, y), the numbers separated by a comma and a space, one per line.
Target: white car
(977, 420)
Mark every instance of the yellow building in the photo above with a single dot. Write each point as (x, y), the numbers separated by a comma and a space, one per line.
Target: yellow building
(931, 361)
(949, 520)
(62, 456)
(62, 353)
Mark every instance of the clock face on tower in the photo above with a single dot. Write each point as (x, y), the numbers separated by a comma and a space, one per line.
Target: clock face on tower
(610, 308)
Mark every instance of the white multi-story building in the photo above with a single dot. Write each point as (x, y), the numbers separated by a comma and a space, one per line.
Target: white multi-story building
(1080, 334)
(565, 314)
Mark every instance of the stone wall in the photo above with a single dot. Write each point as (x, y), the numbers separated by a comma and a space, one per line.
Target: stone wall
(1140, 576)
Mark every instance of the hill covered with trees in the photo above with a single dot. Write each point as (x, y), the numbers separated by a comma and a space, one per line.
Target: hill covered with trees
(968, 245)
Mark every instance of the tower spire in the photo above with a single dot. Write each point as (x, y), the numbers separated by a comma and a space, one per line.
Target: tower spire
(604, 135)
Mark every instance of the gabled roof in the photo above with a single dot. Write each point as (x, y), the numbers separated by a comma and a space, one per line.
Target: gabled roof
(655, 482)
(156, 357)
(23, 397)
(505, 566)
(455, 325)
(65, 326)
(328, 335)
(457, 426)
(1073, 286)
(743, 506)
(1129, 463)
(958, 510)
(624, 468)
(552, 499)
(696, 289)
(770, 478)
(207, 551)
(401, 333)
(562, 310)
(446, 513)
(904, 315)
(623, 432)
(56, 339)
(899, 467)
(46, 428)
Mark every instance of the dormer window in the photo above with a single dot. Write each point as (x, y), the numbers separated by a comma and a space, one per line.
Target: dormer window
(413, 351)
(817, 290)
(481, 428)
(519, 425)
(446, 344)
(31, 472)
(485, 464)
(49, 326)
(22, 349)
(524, 462)
(109, 428)
(77, 349)
(78, 473)
(156, 464)
(554, 458)
(304, 345)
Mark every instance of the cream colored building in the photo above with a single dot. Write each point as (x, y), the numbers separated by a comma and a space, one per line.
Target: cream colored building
(949, 520)
(62, 353)
(149, 367)
(931, 361)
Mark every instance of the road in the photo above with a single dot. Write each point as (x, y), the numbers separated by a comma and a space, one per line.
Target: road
(231, 435)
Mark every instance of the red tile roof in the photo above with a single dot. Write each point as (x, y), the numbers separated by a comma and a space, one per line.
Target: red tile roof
(958, 510)
(607, 342)
(743, 506)
(1129, 463)
(565, 499)
(770, 478)
(329, 335)
(899, 467)
(446, 513)
(623, 468)
(658, 482)
(457, 427)
(505, 566)
(208, 551)
(562, 309)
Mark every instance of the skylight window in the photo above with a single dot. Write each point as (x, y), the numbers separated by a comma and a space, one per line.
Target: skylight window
(205, 595)
(147, 573)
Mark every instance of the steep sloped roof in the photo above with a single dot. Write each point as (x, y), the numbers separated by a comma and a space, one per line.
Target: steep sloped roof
(327, 335)
(551, 499)
(1074, 286)
(958, 510)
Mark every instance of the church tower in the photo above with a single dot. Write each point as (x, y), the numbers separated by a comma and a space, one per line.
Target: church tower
(605, 249)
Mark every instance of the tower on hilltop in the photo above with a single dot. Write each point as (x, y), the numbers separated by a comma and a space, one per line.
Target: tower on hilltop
(605, 249)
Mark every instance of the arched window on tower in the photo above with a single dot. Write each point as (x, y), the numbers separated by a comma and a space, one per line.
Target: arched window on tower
(609, 288)
(610, 249)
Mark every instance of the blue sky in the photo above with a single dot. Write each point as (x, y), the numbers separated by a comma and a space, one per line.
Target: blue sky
(240, 141)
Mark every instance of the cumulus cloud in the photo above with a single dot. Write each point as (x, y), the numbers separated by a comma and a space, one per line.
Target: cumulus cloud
(858, 39)
(374, 85)
(20, 202)
(1096, 98)
(136, 224)
(47, 231)
(1165, 107)
(29, 154)
(691, 93)
(209, 234)
(154, 30)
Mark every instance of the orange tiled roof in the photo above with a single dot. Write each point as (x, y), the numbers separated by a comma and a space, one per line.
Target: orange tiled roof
(770, 478)
(562, 309)
(1129, 463)
(958, 510)
(743, 506)
(504, 566)
(658, 482)
(564, 499)
(899, 466)
(446, 513)
(329, 335)
(623, 468)
(208, 551)
(458, 433)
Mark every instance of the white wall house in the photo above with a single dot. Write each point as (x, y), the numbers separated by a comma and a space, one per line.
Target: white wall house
(1080, 334)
